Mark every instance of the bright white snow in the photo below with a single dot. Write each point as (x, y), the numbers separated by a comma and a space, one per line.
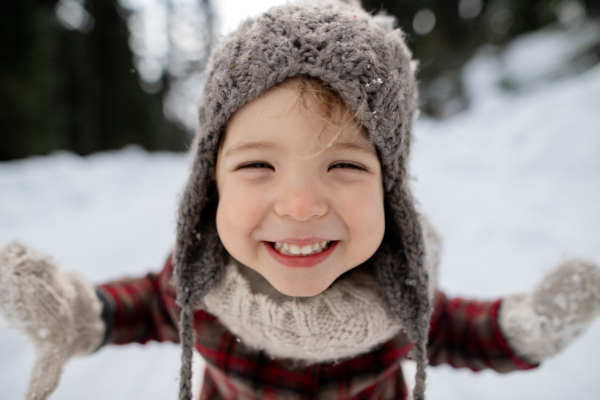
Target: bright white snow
(513, 185)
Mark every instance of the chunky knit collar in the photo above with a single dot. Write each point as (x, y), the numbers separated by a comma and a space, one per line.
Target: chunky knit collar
(349, 318)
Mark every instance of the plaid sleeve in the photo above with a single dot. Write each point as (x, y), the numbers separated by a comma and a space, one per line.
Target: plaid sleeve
(135, 309)
(465, 334)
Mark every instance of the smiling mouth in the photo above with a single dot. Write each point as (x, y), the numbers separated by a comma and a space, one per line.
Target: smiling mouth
(300, 250)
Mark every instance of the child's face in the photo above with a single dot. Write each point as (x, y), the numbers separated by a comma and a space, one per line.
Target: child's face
(274, 190)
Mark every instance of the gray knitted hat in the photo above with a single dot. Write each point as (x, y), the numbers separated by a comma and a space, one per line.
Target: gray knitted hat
(366, 61)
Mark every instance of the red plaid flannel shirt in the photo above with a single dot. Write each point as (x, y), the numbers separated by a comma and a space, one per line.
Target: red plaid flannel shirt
(463, 333)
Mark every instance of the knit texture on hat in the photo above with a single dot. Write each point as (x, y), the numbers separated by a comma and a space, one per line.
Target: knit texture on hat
(367, 62)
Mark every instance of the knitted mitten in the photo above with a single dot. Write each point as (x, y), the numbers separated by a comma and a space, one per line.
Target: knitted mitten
(59, 311)
(540, 324)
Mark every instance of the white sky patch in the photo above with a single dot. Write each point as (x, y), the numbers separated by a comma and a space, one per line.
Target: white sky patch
(232, 12)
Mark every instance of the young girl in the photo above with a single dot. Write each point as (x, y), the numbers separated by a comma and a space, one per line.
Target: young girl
(301, 268)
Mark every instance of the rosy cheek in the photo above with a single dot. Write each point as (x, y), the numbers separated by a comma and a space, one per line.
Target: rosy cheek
(230, 230)
(238, 213)
(371, 224)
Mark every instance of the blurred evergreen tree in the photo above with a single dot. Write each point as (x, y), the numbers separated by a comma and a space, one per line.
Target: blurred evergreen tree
(73, 89)
(444, 34)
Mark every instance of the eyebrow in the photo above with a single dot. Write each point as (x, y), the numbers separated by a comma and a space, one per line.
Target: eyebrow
(359, 147)
(250, 146)
(352, 146)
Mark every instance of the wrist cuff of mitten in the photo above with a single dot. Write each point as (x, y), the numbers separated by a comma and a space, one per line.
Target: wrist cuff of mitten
(518, 361)
(108, 314)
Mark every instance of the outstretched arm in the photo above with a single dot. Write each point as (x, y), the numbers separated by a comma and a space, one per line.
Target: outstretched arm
(140, 309)
(519, 331)
(64, 315)
(466, 334)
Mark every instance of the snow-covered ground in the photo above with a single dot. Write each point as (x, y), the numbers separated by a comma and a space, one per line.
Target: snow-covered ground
(513, 185)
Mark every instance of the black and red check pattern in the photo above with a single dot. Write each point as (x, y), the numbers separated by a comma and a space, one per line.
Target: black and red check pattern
(463, 333)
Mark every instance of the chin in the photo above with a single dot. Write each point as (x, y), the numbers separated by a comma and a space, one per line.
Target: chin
(298, 289)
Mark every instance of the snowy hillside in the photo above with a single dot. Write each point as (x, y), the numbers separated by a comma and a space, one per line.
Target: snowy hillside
(513, 185)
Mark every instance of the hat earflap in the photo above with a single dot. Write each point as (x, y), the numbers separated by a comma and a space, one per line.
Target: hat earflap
(399, 263)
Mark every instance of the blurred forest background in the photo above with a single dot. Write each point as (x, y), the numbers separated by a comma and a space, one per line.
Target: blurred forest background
(91, 75)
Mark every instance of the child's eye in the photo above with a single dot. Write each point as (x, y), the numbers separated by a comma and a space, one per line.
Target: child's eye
(255, 165)
(345, 165)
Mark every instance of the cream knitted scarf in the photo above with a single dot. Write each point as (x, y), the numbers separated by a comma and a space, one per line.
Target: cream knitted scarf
(349, 318)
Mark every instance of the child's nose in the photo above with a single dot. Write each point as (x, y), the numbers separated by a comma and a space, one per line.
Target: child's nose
(301, 203)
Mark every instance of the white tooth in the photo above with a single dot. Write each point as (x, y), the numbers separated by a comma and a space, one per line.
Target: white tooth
(295, 249)
(318, 250)
(278, 245)
(306, 249)
(323, 244)
(315, 246)
(286, 246)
